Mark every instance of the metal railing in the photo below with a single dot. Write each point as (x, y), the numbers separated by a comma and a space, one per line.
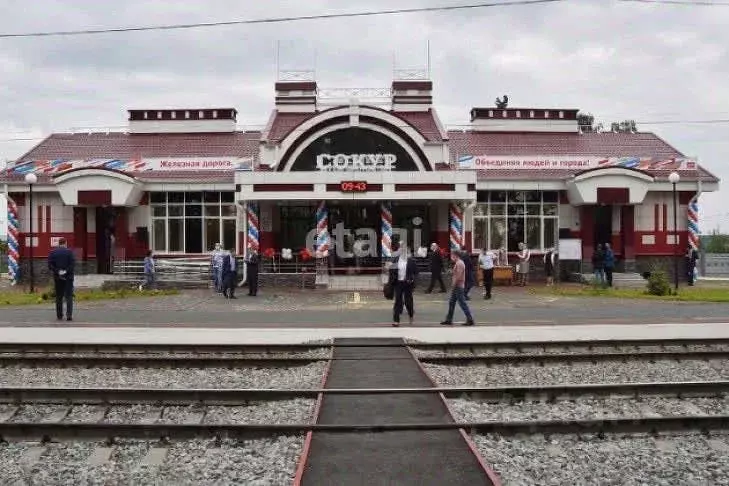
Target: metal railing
(167, 269)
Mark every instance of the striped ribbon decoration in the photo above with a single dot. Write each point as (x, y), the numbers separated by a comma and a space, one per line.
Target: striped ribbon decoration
(13, 226)
(456, 227)
(386, 227)
(322, 230)
(693, 223)
(253, 226)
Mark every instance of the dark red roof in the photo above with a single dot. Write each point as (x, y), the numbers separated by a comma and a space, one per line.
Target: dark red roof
(563, 144)
(282, 124)
(125, 146)
(596, 144)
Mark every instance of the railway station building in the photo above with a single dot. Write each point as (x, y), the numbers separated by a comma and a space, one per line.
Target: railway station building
(342, 180)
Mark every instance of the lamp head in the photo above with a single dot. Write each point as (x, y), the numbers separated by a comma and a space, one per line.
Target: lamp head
(673, 177)
(31, 178)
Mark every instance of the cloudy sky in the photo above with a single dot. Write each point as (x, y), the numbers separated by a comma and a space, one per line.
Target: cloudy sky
(617, 60)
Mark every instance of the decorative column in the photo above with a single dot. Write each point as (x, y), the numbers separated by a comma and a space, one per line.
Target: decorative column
(253, 226)
(13, 246)
(386, 229)
(456, 226)
(693, 223)
(321, 248)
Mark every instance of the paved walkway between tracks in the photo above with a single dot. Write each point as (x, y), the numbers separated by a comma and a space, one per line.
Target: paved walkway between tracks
(170, 335)
(307, 309)
(405, 457)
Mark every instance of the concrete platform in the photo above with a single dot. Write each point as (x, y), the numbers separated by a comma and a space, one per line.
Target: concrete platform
(478, 334)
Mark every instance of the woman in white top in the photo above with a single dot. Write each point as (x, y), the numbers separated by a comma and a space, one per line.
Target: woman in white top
(522, 269)
(486, 262)
(403, 272)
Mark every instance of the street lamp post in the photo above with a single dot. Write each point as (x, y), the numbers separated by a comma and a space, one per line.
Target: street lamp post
(673, 178)
(31, 179)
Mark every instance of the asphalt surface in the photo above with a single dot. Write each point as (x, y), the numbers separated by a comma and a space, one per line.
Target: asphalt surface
(392, 457)
(339, 309)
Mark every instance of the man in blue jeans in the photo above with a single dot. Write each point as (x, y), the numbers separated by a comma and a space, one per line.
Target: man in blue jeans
(458, 293)
(61, 262)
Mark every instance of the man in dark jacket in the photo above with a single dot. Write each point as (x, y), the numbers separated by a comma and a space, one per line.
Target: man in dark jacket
(230, 274)
(61, 263)
(252, 272)
(470, 273)
(692, 257)
(436, 269)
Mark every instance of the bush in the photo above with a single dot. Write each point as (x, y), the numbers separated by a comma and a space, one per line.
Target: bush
(658, 283)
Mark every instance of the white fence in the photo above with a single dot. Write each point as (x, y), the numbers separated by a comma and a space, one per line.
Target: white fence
(714, 265)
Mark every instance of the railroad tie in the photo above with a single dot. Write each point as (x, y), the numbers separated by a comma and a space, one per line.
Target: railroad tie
(405, 457)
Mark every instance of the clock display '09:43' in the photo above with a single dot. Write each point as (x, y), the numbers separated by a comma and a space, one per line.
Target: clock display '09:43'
(353, 186)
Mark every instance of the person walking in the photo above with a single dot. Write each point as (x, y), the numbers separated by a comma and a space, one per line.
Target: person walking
(149, 272)
(230, 274)
(61, 264)
(436, 269)
(486, 262)
(609, 264)
(402, 275)
(598, 264)
(216, 262)
(549, 266)
(692, 257)
(470, 273)
(252, 272)
(522, 268)
(458, 292)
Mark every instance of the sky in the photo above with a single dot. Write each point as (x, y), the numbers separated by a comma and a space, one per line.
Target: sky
(656, 64)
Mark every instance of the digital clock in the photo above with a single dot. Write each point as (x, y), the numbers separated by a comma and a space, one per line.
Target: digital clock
(353, 186)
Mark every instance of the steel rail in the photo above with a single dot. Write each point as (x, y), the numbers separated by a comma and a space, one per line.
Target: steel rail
(61, 347)
(489, 359)
(177, 396)
(242, 360)
(46, 431)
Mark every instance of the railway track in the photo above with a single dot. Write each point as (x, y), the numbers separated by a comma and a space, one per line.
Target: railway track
(330, 421)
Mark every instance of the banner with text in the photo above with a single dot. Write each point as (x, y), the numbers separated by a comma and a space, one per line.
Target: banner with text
(134, 165)
(576, 163)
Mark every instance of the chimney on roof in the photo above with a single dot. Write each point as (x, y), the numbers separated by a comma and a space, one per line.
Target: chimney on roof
(296, 96)
(524, 120)
(188, 120)
(412, 95)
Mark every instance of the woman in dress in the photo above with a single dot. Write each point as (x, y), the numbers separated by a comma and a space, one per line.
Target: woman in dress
(522, 269)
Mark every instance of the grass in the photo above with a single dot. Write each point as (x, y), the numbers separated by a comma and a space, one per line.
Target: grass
(20, 296)
(685, 293)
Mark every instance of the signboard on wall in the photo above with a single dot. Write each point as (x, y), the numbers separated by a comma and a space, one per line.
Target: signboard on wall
(354, 149)
(570, 249)
(134, 165)
(577, 163)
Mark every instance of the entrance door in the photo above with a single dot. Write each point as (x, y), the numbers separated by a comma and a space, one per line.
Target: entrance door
(355, 232)
(603, 224)
(105, 238)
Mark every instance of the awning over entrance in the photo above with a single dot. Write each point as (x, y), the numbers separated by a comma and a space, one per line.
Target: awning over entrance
(609, 185)
(98, 187)
(357, 185)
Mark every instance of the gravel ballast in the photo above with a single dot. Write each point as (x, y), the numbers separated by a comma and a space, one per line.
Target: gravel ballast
(533, 374)
(615, 460)
(295, 411)
(475, 350)
(307, 376)
(467, 410)
(258, 462)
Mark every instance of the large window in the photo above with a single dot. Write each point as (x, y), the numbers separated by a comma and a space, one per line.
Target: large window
(503, 219)
(192, 222)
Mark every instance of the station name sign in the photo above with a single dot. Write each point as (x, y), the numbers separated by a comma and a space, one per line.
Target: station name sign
(356, 162)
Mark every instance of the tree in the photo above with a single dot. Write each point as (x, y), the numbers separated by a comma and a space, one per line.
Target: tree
(625, 126)
(586, 122)
(715, 243)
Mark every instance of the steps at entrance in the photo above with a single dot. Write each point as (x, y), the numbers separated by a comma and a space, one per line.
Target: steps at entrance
(355, 282)
(620, 279)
